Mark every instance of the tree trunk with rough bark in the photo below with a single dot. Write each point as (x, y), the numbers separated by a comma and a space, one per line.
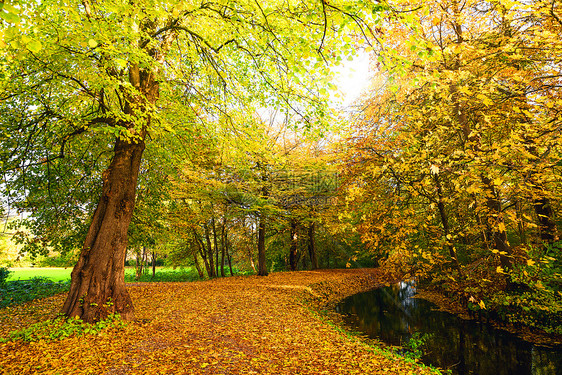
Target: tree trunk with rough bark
(98, 280)
(97, 286)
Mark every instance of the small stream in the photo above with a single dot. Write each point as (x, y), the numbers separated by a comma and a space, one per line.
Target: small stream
(392, 315)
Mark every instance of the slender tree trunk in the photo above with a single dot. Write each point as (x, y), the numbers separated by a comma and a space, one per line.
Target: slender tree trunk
(216, 245)
(210, 254)
(251, 259)
(520, 222)
(445, 222)
(206, 263)
(495, 219)
(138, 265)
(144, 258)
(153, 264)
(223, 246)
(98, 280)
(197, 266)
(262, 267)
(203, 252)
(229, 257)
(312, 246)
(293, 246)
(547, 226)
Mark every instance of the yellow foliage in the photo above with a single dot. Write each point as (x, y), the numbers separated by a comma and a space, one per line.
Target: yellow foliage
(230, 325)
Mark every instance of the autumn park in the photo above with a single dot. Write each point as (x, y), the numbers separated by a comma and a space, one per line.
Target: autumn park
(281, 187)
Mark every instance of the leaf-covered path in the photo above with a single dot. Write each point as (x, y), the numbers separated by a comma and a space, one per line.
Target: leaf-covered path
(238, 325)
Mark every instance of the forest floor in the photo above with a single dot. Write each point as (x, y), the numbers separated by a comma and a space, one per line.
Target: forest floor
(235, 325)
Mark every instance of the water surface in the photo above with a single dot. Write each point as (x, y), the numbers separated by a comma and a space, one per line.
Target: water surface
(392, 315)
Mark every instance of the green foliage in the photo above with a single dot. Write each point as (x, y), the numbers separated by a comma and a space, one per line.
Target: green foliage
(21, 291)
(414, 347)
(60, 328)
(65, 259)
(538, 308)
(537, 300)
(54, 147)
(4, 273)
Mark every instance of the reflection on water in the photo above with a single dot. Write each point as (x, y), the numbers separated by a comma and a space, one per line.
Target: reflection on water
(465, 347)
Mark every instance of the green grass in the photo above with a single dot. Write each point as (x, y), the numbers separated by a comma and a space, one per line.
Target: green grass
(27, 273)
(62, 274)
(26, 284)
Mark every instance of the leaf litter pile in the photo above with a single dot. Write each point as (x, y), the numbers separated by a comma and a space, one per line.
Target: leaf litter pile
(236, 325)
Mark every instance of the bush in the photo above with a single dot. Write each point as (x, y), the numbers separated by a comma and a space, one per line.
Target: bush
(21, 291)
(180, 275)
(415, 346)
(60, 328)
(68, 259)
(160, 262)
(4, 274)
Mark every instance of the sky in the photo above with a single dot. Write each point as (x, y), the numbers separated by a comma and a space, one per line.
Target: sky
(352, 78)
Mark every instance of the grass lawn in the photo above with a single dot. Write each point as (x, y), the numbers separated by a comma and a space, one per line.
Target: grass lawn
(52, 273)
(60, 274)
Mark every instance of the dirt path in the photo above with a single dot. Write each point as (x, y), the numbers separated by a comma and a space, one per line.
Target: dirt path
(238, 325)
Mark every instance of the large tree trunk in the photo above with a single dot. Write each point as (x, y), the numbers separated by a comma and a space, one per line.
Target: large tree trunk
(97, 286)
(98, 280)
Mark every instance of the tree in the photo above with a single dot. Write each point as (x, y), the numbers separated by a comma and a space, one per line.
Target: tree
(114, 72)
(449, 145)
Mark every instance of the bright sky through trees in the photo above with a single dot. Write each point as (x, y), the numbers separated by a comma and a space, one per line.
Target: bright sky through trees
(353, 79)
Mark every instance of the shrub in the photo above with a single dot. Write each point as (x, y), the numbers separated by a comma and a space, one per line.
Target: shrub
(60, 328)
(180, 275)
(4, 273)
(21, 291)
(67, 259)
